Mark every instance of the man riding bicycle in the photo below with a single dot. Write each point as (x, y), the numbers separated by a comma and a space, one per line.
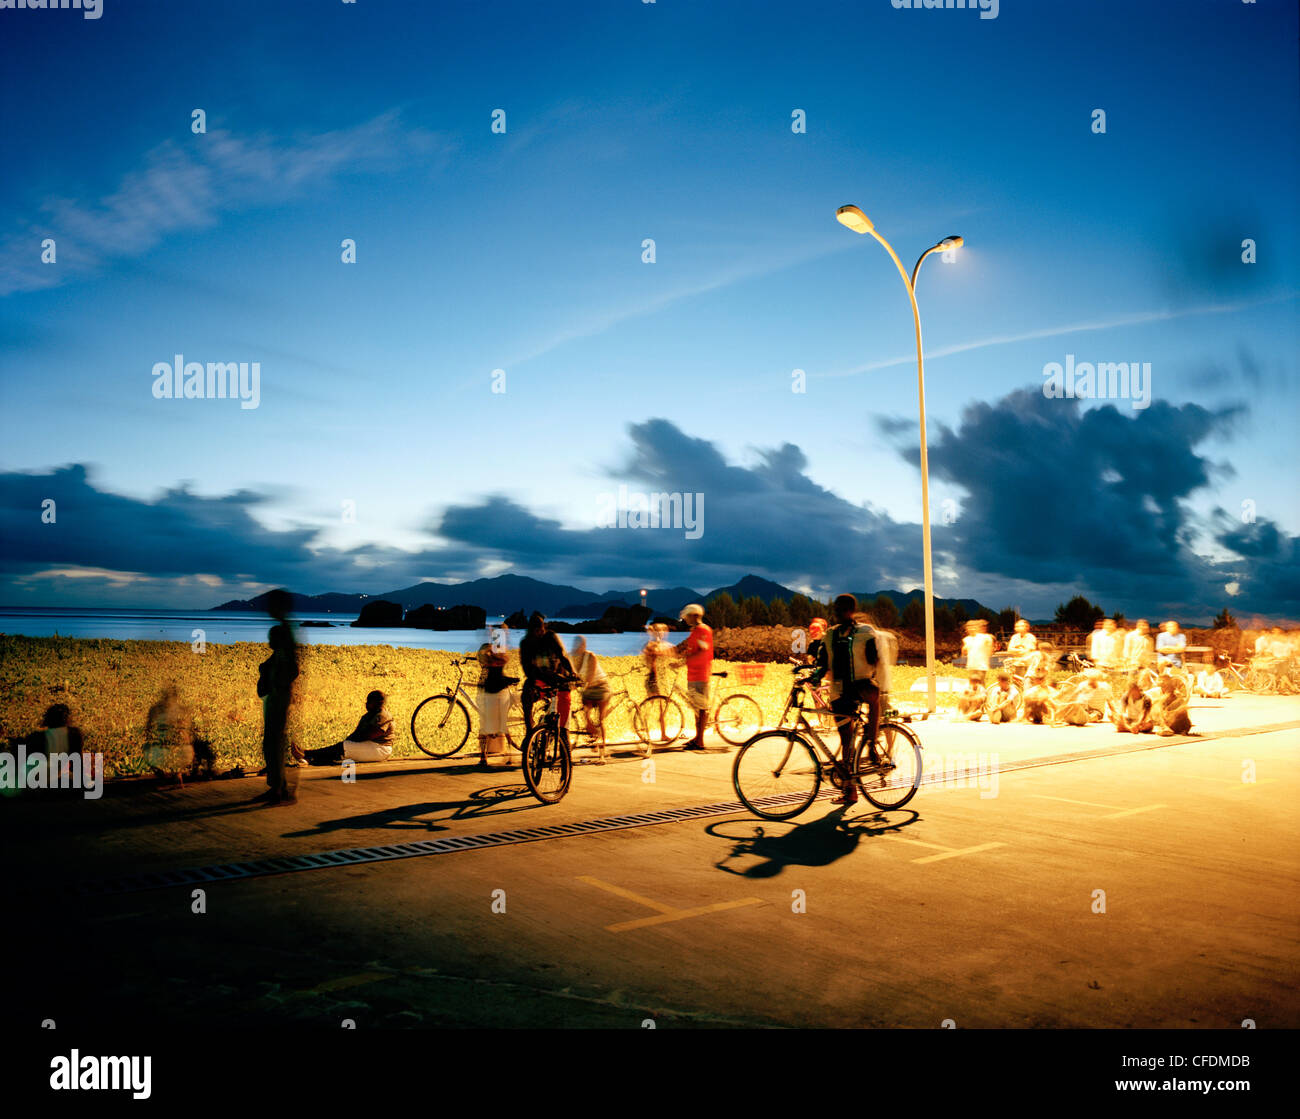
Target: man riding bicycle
(850, 656)
(546, 670)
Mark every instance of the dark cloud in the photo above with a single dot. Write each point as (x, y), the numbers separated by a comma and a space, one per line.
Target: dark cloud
(893, 427)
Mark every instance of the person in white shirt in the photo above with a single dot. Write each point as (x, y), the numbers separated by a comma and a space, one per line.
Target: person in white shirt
(1210, 684)
(1022, 642)
(1002, 699)
(977, 645)
(1170, 645)
(1095, 642)
(1261, 643)
(1105, 651)
(1139, 646)
(1278, 645)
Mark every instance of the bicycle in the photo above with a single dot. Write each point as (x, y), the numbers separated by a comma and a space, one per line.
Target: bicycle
(440, 724)
(620, 705)
(548, 762)
(737, 716)
(777, 773)
(820, 714)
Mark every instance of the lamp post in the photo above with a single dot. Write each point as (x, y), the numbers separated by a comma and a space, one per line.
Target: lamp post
(856, 220)
(643, 598)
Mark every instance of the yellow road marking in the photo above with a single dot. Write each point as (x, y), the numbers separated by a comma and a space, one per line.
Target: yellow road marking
(666, 913)
(1131, 811)
(1086, 803)
(952, 854)
(647, 902)
(681, 915)
(919, 842)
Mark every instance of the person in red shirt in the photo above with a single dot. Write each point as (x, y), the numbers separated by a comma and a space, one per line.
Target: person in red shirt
(697, 651)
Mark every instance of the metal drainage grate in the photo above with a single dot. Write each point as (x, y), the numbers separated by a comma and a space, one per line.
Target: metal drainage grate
(324, 860)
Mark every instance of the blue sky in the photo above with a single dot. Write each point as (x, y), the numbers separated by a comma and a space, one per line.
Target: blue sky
(522, 251)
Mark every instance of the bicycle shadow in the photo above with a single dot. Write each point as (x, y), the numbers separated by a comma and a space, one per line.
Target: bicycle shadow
(820, 842)
(498, 800)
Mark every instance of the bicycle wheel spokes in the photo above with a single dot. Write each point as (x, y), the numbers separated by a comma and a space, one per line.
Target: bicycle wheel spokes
(893, 783)
(547, 765)
(738, 719)
(776, 774)
(440, 726)
(515, 724)
(659, 721)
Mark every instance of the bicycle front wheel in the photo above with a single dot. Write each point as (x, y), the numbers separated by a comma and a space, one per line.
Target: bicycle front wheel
(658, 721)
(515, 730)
(547, 765)
(738, 719)
(440, 726)
(777, 774)
(894, 781)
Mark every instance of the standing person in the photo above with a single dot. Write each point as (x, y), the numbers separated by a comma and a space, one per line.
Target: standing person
(275, 680)
(546, 670)
(697, 651)
(978, 647)
(1022, 642)
(816, 635)
(1170, 645)
(1139, 647)
(1095, 640)
(1109, 647)
(595, 692)
(656, 653)
(494, 696)
(851, 658)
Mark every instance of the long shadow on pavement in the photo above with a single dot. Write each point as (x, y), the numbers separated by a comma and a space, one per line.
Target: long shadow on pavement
(499, 800)
(818, 843)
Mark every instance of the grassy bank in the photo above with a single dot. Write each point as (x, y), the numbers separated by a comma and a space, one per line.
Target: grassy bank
(110, 686)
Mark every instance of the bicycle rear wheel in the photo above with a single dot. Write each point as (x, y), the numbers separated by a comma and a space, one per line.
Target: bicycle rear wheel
(738, 719)
(777, 774)
(547, 765)
(659, 720)
(440, 726)
(894, 782)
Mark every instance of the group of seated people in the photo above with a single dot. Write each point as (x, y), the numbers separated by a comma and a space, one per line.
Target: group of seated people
(1136, 682)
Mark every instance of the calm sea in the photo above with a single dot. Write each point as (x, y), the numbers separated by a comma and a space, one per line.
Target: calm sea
(224, 627)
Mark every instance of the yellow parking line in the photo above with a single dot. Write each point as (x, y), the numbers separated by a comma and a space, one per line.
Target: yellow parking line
(666, 913)
(681, 915)
(647, 902)
(1131, 811)
(1085, 803)
(952, 854)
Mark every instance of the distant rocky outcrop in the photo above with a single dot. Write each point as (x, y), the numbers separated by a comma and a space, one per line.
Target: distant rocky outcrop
(429, 616)
(380, 612)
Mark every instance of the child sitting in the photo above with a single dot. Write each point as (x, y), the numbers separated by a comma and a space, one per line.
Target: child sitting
(970, 706)
(372, 741)
(1169, 711)
(1210, 684)
(1003, 699)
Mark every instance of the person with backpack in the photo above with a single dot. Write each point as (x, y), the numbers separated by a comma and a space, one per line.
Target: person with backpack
(855, 656)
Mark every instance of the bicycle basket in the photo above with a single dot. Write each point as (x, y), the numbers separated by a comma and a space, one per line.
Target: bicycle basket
(750, 673)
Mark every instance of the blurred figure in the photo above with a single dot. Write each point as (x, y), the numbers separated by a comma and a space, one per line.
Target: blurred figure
(1002, 699)
(970, 704)
(1110, 648)
(1022, 642)
(1170, 645)
(1169, 709)
(1139, 648)
(977, 646)
(595, 692)
(494, 696)
(372, 741)
(1210, 684)
(1040, 698)
(171, 748)
(816, 635)
(275, 680)
(1133, 712)
(59, 741)
(657, 653)
(1096, 641)
(1086, 701)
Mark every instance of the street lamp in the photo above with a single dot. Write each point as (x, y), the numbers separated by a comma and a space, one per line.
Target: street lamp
(856, 220)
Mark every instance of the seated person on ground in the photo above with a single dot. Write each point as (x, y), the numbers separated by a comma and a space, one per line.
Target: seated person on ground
(1169, 711)
(1086, 701)
(1002, 699)
(970, 703)
(1210, 683)
(1133, 713)
(372, 741)
(1040, 699)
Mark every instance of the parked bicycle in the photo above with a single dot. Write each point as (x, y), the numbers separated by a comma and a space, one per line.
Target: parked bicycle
(440, 724)
(778, 773)
(548, 761)
(736, 715)
(621, 707)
